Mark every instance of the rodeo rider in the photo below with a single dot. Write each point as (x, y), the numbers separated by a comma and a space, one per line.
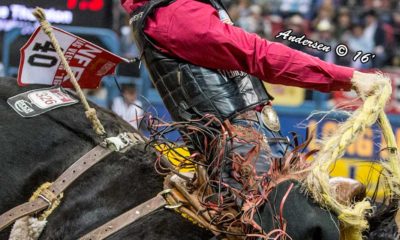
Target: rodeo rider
(193, 45)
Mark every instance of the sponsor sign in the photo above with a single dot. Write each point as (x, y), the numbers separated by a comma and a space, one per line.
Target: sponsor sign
(40, 64)
(286, 96)
(362, 158)
(367, 147)
(36, 102)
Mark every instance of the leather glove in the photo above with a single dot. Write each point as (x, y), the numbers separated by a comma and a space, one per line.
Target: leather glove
(366, 84)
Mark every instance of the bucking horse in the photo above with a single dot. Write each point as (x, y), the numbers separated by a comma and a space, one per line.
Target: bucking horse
(38, 150)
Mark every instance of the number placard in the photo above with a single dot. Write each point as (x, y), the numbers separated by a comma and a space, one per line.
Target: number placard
(37, 102)
(40, 63)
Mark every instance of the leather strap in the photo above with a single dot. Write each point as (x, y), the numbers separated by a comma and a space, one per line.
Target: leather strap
(69, 176)
(126, 219)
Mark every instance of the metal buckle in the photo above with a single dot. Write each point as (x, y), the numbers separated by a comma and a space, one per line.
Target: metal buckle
(48, 196)
(118, 143)
(50, 203)
(165, 191)
(135, 17)
(174, 206)
(270, 119)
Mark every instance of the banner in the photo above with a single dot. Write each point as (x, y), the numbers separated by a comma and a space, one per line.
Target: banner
(40, 64)
(361, 160)
(285, 95)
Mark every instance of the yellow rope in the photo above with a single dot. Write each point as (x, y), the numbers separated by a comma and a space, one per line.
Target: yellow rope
(90, 112)
(353, 217)
(44, 187)
(392, 166)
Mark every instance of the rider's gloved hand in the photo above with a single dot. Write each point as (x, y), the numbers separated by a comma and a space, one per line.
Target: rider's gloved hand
(366, 84)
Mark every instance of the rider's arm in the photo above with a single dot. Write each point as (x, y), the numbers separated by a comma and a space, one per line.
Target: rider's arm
(192, 31)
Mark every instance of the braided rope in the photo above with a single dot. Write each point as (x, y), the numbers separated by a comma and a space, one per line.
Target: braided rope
(90, 112)
(392, 166)
(334, 147)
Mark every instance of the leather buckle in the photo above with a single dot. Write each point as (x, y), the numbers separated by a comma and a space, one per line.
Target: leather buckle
(174, 206)
(48, 196)
(121, 142)
(270, 118)
(166, 192)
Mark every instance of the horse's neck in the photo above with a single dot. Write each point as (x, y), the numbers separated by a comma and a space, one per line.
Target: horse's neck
(39, 149)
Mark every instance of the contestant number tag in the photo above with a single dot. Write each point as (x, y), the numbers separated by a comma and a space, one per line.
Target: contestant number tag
(36, 102)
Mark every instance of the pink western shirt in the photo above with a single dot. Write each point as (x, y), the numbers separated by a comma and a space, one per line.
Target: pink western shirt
(191, 30)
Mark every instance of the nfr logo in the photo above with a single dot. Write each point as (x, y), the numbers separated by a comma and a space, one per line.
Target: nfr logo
(91, 5)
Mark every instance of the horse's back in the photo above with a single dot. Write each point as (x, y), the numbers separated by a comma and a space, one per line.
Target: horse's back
(37, 150)
(27, 144)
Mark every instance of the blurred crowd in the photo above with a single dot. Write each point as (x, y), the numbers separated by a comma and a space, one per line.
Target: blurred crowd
(370, 26)
(364, 26)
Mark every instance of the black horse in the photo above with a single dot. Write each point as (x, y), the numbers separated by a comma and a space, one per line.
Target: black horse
(39, 149)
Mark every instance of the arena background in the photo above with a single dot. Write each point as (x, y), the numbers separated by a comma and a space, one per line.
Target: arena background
(363, 26)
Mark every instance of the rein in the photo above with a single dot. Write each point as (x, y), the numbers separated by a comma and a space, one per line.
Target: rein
(89, 111)
(126, 218)
(317, 183)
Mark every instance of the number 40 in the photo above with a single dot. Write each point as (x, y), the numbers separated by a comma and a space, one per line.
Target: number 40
(43, 60)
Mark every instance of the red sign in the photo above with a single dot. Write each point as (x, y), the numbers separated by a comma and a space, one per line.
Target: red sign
(40, 63)
(350, 98)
